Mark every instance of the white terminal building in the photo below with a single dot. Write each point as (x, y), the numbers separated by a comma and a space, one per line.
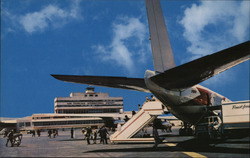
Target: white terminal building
(89, 109)
(88, 102)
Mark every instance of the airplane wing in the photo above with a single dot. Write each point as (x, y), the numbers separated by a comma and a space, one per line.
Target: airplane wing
(137, 84)
(198, 70)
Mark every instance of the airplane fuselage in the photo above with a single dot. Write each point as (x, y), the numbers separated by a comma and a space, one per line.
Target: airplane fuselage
(187, 104)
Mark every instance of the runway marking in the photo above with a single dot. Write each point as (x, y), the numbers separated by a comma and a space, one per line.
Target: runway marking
(168, 144)
(191, 154)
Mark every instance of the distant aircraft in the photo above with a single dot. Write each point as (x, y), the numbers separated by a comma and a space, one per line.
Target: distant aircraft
(175, 86)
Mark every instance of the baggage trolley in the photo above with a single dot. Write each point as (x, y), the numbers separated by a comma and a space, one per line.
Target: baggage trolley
(17, 139)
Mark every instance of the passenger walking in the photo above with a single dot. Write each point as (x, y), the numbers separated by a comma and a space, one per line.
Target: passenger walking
(147, 99)
(33, 133)
(49, 133)
(89, 131)
(10, 137)
(72, 132)
(133, 113)
(103, 134)
(126, 118)
(153, 98)
(139, 107)
(54, 133)
(84, 133)
(94, 132)
(38, 132)
(83, 130)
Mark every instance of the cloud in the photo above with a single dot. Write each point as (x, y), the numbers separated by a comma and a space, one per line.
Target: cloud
(49, 16)
(127, 44)
(8, 20)
(215, 25)
(211, 26)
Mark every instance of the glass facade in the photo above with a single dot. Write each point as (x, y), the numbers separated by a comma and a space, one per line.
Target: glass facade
(73, 122)
(81, 111)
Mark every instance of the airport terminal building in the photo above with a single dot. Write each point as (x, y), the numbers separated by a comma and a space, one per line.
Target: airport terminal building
(88, 102)
(78, 110)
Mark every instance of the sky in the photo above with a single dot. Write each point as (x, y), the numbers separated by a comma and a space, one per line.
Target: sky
(108, 38)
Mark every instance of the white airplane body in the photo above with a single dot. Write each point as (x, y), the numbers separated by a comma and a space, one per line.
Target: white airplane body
(176, 87)
(188, 105)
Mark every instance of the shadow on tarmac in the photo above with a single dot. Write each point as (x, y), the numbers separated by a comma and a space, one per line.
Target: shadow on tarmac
(196, 145)
(72, 139)
(192, 145)
(148, 149)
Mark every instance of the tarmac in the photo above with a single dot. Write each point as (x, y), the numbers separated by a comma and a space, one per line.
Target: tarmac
(172, 146)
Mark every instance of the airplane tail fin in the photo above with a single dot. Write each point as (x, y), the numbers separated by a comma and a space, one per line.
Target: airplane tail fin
(163, 57)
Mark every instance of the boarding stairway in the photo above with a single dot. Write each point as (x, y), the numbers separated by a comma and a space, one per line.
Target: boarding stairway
(149, 111)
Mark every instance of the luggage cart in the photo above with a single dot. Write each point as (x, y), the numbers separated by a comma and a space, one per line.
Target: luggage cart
(17, 139)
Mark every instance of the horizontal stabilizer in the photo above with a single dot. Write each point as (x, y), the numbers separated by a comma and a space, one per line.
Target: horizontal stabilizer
(196, 71)
(137, 84)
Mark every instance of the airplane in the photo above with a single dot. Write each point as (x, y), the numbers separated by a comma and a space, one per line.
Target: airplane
(177, 87)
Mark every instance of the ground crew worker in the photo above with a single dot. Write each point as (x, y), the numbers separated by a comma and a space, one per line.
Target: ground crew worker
(155, 133)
